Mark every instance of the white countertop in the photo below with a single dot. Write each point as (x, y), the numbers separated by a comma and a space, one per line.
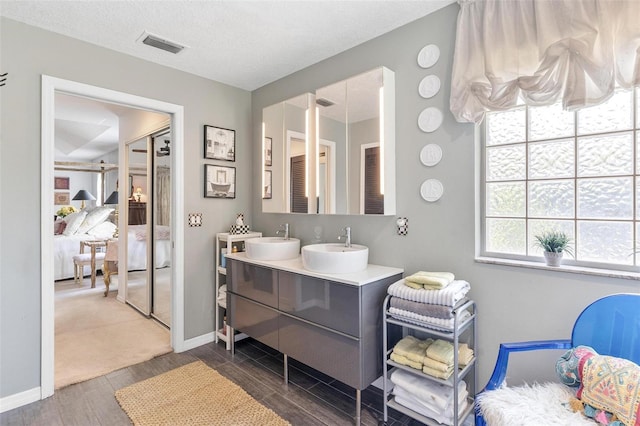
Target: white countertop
(371, 274)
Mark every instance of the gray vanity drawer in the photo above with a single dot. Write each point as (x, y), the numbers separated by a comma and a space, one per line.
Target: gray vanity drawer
(326, 351)
(254, 282)
(254, 319)
(330, 304)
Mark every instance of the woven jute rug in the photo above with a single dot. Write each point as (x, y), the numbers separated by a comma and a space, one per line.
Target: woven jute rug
(193, 394)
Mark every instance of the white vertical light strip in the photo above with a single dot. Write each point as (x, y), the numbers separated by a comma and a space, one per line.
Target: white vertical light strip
(317, 155)
(381, 140)
(306, 152)
(262, 163)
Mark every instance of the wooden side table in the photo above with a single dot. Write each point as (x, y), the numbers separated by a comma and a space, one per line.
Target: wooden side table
(93, 245)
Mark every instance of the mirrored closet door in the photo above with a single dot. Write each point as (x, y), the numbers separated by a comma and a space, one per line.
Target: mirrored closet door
(148, 225)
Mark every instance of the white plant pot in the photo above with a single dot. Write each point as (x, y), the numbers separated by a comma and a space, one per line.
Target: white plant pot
(552, 258)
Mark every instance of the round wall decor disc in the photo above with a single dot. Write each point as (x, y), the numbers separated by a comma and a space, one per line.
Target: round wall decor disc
(429, 86)
(428, 55)
(431, 154)
(430, 119)
(431, 190)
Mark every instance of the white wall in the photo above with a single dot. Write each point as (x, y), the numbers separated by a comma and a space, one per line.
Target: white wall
(513, 303)
(26, 53)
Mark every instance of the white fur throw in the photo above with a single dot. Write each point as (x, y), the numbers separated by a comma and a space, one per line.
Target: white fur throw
(536, 405)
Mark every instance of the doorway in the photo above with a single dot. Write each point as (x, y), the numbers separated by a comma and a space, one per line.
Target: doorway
(51, 85)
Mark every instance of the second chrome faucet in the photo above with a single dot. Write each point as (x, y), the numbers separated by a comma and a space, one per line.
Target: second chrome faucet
(346, 236)
(284, 230)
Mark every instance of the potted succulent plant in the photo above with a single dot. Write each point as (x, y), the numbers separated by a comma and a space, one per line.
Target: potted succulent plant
(554, 244)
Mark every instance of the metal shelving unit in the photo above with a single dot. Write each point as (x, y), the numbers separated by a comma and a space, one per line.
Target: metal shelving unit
(226, 241)
(463, 328)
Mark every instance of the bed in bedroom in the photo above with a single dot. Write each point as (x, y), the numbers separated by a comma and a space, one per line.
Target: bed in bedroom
(67, 246)
(97, 224)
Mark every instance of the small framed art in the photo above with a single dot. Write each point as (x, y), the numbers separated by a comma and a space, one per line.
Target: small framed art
(219, 181)
(266, 191)
(268, 143)
(61, 198)
(61, 183)
(219, 143)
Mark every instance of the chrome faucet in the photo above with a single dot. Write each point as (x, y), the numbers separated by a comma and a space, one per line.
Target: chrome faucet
(346, 236)
(284, 229)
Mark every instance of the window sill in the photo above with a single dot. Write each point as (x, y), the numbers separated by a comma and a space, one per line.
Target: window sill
(610, 273)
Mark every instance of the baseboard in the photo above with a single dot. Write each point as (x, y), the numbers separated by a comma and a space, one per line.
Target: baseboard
(19, 399)
(196, 341)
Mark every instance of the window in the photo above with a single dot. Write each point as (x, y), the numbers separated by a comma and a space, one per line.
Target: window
(578, 172)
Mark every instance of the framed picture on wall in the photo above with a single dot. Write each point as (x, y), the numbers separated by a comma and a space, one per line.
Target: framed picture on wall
(61, 198)
(268, 142)
(266, 191)
(61, 183)
(219, 143)
(219, 181)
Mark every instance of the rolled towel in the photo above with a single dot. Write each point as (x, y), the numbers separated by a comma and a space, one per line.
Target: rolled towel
(426, 309)
(403, 360)
(412, 348)
(442, 351)
(431, 280)
(448, 296)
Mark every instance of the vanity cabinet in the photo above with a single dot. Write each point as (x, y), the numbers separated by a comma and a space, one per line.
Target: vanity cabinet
(332, 326)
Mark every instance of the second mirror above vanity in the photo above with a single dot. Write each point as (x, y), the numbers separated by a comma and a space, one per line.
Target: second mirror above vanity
(332, 152)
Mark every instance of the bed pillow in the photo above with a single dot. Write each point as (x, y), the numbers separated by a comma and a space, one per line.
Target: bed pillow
(104, 230)
(74, 220)
(59, 227)
(94, 218)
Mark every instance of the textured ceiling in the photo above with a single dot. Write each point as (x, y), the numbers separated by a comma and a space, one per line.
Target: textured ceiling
(245, 44)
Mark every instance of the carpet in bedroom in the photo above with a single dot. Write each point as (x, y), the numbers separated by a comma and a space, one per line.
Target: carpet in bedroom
(95, 335)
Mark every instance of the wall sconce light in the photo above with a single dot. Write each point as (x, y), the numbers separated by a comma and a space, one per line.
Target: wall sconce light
(83, 195)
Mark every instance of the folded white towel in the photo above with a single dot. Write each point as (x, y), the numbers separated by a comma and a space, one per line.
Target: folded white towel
(448, 296)
(439, 395)
(446, 419)
(431, 322)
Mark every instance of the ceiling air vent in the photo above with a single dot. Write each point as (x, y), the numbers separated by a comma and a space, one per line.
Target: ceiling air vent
(160, 43)
(324, 102)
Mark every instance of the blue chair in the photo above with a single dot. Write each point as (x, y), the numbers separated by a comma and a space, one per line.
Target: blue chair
(610, 325)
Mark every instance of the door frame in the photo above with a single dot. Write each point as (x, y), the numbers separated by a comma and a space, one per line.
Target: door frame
(51, 85)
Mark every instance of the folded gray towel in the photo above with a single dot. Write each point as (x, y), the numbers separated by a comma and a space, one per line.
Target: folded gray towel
(426, 309)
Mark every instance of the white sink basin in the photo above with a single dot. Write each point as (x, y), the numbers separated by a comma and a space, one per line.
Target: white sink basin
(335, 258)
(272, 248)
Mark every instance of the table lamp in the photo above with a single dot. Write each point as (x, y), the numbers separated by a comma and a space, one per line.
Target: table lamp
(83, 195)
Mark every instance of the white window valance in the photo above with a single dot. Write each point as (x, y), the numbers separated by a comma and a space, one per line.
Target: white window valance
(539, 52)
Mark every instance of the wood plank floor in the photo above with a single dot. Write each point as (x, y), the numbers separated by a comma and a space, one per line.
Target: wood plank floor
(311, 398)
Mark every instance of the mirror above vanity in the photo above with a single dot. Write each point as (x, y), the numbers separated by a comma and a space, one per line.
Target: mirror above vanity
(332, 152)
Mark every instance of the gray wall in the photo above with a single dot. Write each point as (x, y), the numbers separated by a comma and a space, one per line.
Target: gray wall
(513, 303)
(26, 54)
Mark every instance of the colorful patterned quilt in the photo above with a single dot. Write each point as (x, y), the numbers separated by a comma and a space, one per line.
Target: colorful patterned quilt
(611, 384)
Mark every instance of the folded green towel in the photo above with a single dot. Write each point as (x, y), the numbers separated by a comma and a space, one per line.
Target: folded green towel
(436, 365)
(412, 348)
(430, 280)
(437, 373)
(403, 360)
(442, 351)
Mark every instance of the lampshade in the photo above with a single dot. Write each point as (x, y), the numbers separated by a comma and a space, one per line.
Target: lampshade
(112, 199)
(84, 195)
